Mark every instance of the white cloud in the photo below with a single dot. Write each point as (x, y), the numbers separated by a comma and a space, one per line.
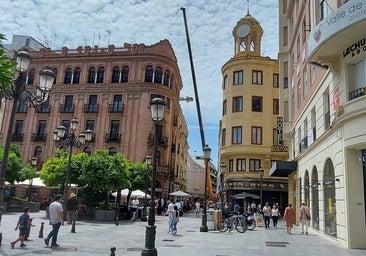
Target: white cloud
(210, 23)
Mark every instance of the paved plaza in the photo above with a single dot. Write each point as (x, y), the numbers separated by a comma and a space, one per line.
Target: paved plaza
(97, 238)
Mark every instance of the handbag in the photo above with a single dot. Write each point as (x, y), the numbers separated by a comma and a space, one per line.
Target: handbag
(308, 217)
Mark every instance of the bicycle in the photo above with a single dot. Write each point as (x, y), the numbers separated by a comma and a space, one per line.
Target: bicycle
(233, 222)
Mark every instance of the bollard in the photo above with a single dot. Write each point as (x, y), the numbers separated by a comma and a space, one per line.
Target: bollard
(113, 250)
(73, 224)
(40, 234)
(1, 237)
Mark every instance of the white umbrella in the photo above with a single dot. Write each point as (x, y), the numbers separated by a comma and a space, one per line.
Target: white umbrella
(180, 193)
(138, 193)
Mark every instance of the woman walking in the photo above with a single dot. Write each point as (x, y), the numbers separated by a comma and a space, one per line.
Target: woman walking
(175, 220)
(289, 217)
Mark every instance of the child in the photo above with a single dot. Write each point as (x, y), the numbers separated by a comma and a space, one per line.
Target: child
(23, 223)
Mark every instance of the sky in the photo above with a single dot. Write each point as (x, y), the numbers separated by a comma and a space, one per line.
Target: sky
(59, 23)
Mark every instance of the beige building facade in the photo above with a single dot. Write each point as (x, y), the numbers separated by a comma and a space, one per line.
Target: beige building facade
(322, 64)
(249, 134)
(109, 91)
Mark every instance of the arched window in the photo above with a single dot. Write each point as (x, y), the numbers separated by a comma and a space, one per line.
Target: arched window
(158, 75)
(166, 77)
(87, 150)
(100, 75)
(112, 151)
(148, 74)
(31, 76)
(91, 75)
(125, 71)
(68, 76)
(115, 75)
(330, 218)
(37, 151)
(76, 78)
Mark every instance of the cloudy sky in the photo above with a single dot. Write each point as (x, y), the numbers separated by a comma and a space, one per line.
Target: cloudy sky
(59, 23)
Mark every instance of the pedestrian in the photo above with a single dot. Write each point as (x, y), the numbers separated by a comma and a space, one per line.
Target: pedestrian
(236, 208)
(133, 208)
(24, 222)
(253, 207)
(197, 208)
(304, 218)
(289, 216)
(72, 206)
(226, 210)
(175, 220)
(275, 215)
(56, 220)
(171, 212)
(267, 212)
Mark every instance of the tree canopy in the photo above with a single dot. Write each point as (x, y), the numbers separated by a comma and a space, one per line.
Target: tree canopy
(6, 68)
(15, 163)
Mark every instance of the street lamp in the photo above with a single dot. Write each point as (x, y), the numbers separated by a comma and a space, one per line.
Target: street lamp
(34, 162)
(148, 160)
(206, 156)
(261, 173)
(19, 93)
(64, 139)
(222, 173)
(157, 106)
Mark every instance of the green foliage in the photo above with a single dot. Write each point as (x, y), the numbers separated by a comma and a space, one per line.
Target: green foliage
(14, 165)
(6, 68)
(27, 173)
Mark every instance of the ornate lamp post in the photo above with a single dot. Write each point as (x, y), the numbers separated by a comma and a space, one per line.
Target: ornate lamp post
(19, 92)
(222, 182)
(64, 139)
(157, 106)
(261, 173)
(148, 160)
(34, 162)
(206, 156)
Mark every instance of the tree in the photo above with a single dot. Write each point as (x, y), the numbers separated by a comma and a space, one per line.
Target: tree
(6, 68)
(139, 177)
(28, 173)
(15, 163)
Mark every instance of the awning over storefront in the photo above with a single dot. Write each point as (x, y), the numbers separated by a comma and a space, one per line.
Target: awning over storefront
(282, 168)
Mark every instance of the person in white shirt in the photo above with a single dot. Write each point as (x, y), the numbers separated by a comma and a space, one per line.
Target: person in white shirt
(275, 215)
(267, 214)
(197, 208)
(134, 205)
(171, 212)
(56, 220)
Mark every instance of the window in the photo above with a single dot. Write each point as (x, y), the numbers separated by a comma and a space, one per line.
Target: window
(91, 76)
(285, 75)
(93, 105)
(18, 127)
(114, 132)
(68, 76)
(100, 75)
(257, 104)
(30, 79)
(41, 128)
(125, 73)
(148, 74)
(117, 103)
(240, 165)
(37, 151)
(256, 135)
(223, 137)
(325, 9)
(231, 165)
(76, 78)
(90, 125)
(305, 82)
(275, 137)
(254, 164)
(55, 75)
(257, 77)
(276, 80)
(224, 107)
(69, 107)
(115, 75)
(285, 36)
(237, 135)
(112, 151)
(158, 78)
(238, 104)
(166, 77)
(276, 106)
(238, 77)
(224, 83)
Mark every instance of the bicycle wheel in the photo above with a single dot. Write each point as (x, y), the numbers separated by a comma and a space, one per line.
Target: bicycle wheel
(240, 225)
(222, 226)
(251, 224)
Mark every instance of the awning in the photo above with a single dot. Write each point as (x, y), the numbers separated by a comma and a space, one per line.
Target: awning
(282, 168)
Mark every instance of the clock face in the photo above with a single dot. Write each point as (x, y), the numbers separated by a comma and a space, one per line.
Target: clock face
(243, 30)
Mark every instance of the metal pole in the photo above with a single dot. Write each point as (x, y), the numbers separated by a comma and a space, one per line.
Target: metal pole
(204, 227)
(66, 188)
(4, 163)
(261, 191)
(150, 249)
(144, 218)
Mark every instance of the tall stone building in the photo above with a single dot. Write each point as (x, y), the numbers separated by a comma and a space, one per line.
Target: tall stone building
(108, 90)
(322, 63)
(249, 138)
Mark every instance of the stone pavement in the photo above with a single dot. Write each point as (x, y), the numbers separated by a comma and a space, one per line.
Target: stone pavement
(96, 238)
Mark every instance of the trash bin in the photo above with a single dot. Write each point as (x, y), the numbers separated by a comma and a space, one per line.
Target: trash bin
(217, 218)
(210, 220)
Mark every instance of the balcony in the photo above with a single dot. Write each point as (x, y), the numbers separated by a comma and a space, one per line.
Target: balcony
(66, 108)
(91, 108)
(162, 170)
(17, 137)
(340, 30)
(39, 137)
(22, 108)
(162, 140)
(357, 93)
(112, 138)
(43, 108)
(115, 108)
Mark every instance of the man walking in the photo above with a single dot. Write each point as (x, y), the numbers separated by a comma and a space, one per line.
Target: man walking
(56, 220)
(304, 217)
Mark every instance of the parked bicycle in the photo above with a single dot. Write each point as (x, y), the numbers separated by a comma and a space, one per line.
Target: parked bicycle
(250, 221)
(236, 221)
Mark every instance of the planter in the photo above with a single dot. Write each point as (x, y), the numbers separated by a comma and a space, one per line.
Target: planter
(104, 215)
